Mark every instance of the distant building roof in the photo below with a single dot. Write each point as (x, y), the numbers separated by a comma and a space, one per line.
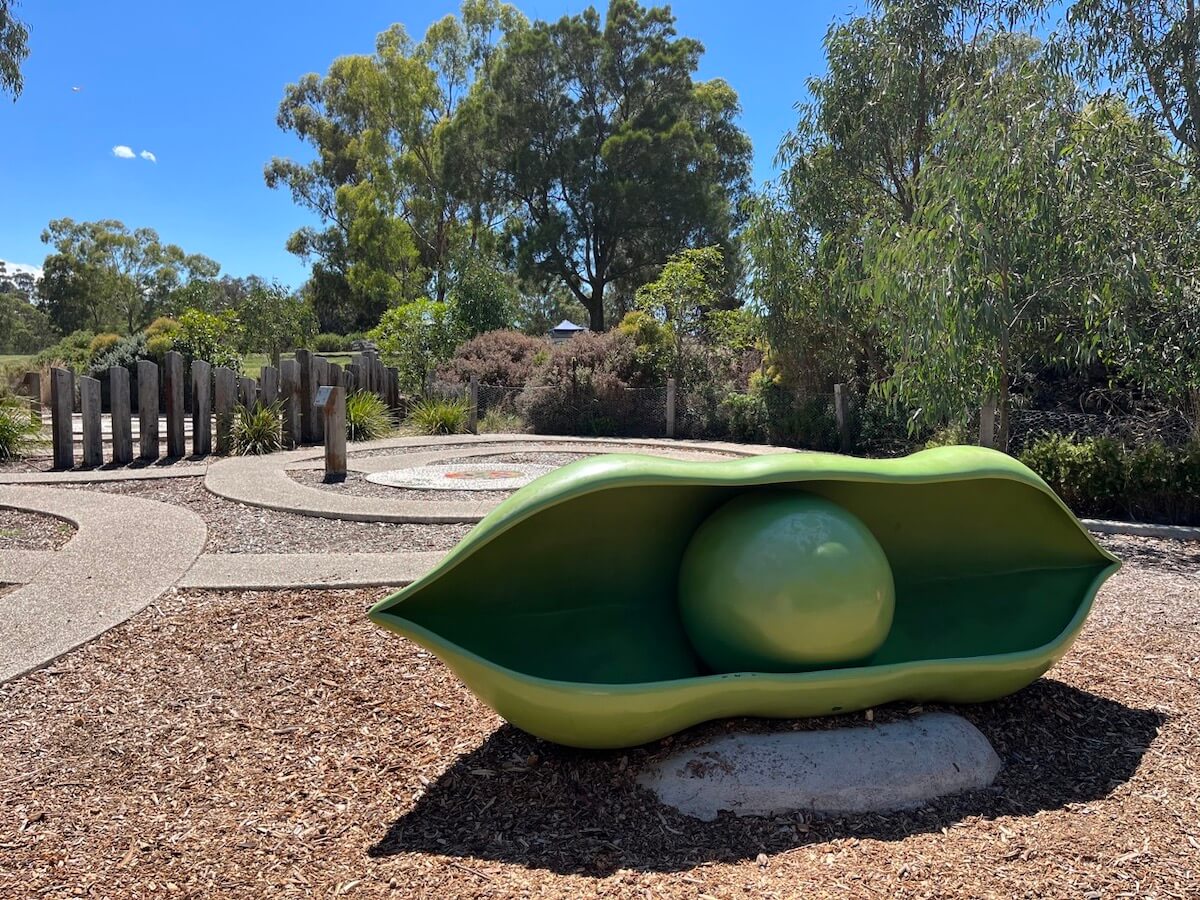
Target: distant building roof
(568, 325)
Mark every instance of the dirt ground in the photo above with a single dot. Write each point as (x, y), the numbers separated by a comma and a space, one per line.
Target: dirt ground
(276, 744)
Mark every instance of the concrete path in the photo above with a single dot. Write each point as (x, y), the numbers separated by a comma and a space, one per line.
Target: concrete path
(90, 476)
(313, 571)
(126, 553)
(264, 480)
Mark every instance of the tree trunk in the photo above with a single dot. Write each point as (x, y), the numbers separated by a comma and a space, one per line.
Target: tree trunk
(1003, 406)
(595, 308)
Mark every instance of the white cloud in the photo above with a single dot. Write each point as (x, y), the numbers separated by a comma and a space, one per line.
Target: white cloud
(122, 152)
(146, 154)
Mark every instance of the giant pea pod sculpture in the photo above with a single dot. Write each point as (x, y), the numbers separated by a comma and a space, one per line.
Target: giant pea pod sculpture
(622, 598)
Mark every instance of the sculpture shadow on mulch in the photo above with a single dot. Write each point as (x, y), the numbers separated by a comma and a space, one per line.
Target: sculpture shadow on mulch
(520, 800)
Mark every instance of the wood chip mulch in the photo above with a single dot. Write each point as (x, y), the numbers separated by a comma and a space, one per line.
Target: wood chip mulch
(277, 745)
(238, 528)
(21, 530)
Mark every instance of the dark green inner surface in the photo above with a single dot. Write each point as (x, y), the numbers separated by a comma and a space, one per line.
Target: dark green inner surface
(585, 591)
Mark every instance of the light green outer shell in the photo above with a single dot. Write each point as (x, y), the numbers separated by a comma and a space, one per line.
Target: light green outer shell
(622, 715)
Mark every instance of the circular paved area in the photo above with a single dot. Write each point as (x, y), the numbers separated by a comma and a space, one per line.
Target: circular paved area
(464, 477)
(265, 480)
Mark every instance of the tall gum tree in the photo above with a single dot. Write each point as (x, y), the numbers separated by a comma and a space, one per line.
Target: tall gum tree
(610, 154)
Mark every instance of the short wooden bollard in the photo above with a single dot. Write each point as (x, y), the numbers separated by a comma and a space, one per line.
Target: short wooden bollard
(201, 408)
(247, 392)
(33, 390)
(473, 405)
(289, 394)
(331, 400)
(305, 373)
(173, 378)
(841, 412)
(61, 406)
(147, 384)
(393, 388)
(122, 415)
(225, 397)
(320, 380)
(89, 410)
(670, 407)
(268, 385)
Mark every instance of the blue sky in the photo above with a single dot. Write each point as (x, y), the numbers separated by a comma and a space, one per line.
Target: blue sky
(198, 86)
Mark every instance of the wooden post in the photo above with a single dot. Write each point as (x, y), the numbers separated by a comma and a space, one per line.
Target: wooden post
(670, 407)
(289, 393)
(61, 404)
(247, 391)
(268, 382)
(304, 362)
(89, 410)
(224, 399)
(334, 378)
(201, 408)
(320, 380)
(393, 377)
(841, 411)
(147, 384)
(122, 415)
(473, 405)
(331, 401)
(173, 376)
(987, 424)
(33, 390)
(352, 379)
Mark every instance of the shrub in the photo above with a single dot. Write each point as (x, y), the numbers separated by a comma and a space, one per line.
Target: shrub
(593, 384)
(494, 357)
(798, 420)
(102, 343)
(72, 352)
(367, 417)
(257, 430)
(20, 429)
(434, 415)
(163, 325)
(745, 416)
(1100, 477)
(126, 352)
(211, 337)
(951, 435)
(416, 337)
(328, 342)
(497, 421)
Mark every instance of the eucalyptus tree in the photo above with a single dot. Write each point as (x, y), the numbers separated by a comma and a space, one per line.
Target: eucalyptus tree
(1146, 50)
(851, 166)
(103, 275)
(1045, 232)
(14, 48)
(609, 152)
(396, 203)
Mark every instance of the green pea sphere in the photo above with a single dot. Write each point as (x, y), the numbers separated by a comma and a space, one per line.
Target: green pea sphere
(782, 581)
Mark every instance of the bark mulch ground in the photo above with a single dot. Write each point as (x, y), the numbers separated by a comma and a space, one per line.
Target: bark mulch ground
(238, 528)
(275, 744)
(21, 530)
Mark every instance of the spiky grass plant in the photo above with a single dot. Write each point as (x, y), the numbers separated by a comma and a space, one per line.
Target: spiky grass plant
(367, 417)
(256, 430)
(435, 415)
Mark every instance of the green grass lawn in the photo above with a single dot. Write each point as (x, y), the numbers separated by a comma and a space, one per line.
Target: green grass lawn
(16, 359)
(254, 362)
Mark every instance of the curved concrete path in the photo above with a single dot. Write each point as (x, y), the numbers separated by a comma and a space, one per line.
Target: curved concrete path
(125, 554)
(307, 571)
(264, 480)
